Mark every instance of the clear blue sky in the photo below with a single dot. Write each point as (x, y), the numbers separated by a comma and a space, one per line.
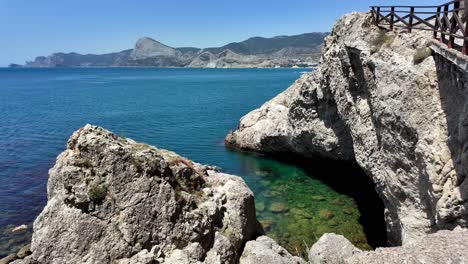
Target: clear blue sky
(30, 28)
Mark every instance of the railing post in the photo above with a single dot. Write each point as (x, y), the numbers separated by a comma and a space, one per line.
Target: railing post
(374, 15)
(392, 18)
(411, 15)
(436, 23)
(465, 33)
(378, 15)
(453, 25)
(443, 26)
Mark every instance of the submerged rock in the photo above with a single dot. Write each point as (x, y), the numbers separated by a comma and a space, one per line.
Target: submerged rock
(404, 124)
(278, 207)
(19, 228)
(267, 224)
(326, 214)
(113, 200)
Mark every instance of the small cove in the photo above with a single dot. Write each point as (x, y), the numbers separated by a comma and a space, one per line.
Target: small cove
(185, 110)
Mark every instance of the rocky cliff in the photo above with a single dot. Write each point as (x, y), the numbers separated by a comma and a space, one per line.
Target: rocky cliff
(377, 101)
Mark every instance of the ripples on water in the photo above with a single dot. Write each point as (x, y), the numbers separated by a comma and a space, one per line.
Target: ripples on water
(185, 110)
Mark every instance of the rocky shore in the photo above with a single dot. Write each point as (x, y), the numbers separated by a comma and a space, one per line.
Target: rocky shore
(113, 200)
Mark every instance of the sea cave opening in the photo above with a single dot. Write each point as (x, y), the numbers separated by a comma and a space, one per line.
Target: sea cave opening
(298, 200)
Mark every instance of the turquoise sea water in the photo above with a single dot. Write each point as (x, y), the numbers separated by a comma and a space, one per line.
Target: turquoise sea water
(188, 111)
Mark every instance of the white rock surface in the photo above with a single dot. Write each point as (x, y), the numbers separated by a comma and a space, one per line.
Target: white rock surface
(265, 250)
(331, 249)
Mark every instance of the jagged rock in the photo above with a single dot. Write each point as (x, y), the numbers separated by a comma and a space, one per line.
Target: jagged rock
(266, 250)
(113, 200)
(404, 124)
(331, 249)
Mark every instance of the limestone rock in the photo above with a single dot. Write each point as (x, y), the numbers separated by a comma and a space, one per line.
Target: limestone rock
(113, 200)
(266, 250)
(404, 124)
(330, 249)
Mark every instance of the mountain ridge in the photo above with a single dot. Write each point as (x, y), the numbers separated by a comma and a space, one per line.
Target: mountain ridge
(278, 51)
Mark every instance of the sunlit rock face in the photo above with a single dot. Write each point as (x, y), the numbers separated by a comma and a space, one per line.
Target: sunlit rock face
(368, 101)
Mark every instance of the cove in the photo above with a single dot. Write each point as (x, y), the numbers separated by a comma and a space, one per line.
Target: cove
(188, 111)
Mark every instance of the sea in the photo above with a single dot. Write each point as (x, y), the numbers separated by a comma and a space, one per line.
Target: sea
(188, 111)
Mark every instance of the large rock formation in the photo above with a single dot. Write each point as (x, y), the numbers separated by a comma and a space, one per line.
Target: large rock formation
(113, 200)
(404, 123)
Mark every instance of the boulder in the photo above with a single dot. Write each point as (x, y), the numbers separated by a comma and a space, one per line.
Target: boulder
(330, 249)
(113, 200)
(266, 250)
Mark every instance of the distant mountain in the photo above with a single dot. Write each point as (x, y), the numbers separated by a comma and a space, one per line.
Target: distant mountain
(285, 51)
(79, 60)
(259, 45)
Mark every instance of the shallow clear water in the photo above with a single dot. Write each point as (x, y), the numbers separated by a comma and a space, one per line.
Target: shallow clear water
(185, 110)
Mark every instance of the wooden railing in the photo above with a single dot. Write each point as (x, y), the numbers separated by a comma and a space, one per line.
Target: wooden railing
(448, 22)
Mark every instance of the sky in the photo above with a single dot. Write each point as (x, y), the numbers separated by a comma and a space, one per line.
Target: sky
(30, 28)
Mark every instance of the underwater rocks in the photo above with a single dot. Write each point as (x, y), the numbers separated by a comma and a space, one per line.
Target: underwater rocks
(278, 207)
(404, 124)
(113, 200)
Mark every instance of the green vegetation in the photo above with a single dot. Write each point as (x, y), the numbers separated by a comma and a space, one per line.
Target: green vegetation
(97, 193)
(421, 54)
(381, 39)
